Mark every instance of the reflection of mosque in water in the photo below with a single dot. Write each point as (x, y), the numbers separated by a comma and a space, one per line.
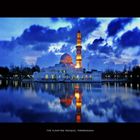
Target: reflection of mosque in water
(67, 93)
(78, 96)
(67, 100)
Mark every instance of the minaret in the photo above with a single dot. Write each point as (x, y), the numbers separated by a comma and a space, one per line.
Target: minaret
(78, 51)
(78, 97)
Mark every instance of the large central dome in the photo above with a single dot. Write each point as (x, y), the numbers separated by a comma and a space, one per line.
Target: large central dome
(66, 59)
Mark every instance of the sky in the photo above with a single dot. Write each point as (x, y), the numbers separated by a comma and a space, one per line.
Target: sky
(107, 42)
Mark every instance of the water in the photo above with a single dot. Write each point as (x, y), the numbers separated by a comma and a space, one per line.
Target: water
(69, 102)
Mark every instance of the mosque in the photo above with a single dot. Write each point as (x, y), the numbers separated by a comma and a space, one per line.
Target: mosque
(67, 71)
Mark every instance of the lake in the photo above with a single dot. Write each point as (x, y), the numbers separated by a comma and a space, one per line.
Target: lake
(69, 102)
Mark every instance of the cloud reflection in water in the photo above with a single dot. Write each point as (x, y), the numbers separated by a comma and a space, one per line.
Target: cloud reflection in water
(57, 103)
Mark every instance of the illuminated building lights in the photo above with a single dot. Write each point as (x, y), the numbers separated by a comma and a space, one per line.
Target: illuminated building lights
(78, 51)
(78, 104)
(78, 118)
(77, 95)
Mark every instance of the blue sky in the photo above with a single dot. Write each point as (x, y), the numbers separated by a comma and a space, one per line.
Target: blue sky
(107, 42)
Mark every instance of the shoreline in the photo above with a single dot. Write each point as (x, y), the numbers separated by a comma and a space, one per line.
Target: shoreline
(68, 81)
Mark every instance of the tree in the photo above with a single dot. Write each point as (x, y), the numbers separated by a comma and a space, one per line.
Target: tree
(35, 68)
(4, 71)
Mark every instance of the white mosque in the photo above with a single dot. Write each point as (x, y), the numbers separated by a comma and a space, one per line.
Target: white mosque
(66, 71)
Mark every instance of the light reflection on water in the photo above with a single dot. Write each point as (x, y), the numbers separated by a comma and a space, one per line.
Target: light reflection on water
(69, 102)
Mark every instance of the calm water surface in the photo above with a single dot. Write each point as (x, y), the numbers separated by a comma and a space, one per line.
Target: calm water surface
(69, 102)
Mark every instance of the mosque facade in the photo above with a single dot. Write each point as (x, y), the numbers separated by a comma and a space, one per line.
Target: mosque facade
(67, 71)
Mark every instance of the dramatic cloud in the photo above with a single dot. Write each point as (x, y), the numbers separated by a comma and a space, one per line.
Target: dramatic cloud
(106, 49)
(130, 38)
(106, 42)
(37, 33)
(86, 26)
(117, 25)
(96, 43)
(101, 46)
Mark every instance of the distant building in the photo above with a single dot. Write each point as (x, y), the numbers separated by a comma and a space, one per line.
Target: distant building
(67, 71)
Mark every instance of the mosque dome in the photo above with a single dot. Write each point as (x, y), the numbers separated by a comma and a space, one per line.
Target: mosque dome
(65, 102)
(66, 59)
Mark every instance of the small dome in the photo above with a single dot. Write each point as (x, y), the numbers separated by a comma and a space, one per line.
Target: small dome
(66, 102)
(66, 59)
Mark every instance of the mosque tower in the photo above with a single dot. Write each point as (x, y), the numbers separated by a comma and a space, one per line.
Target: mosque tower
(78, 96)
(78, 51)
